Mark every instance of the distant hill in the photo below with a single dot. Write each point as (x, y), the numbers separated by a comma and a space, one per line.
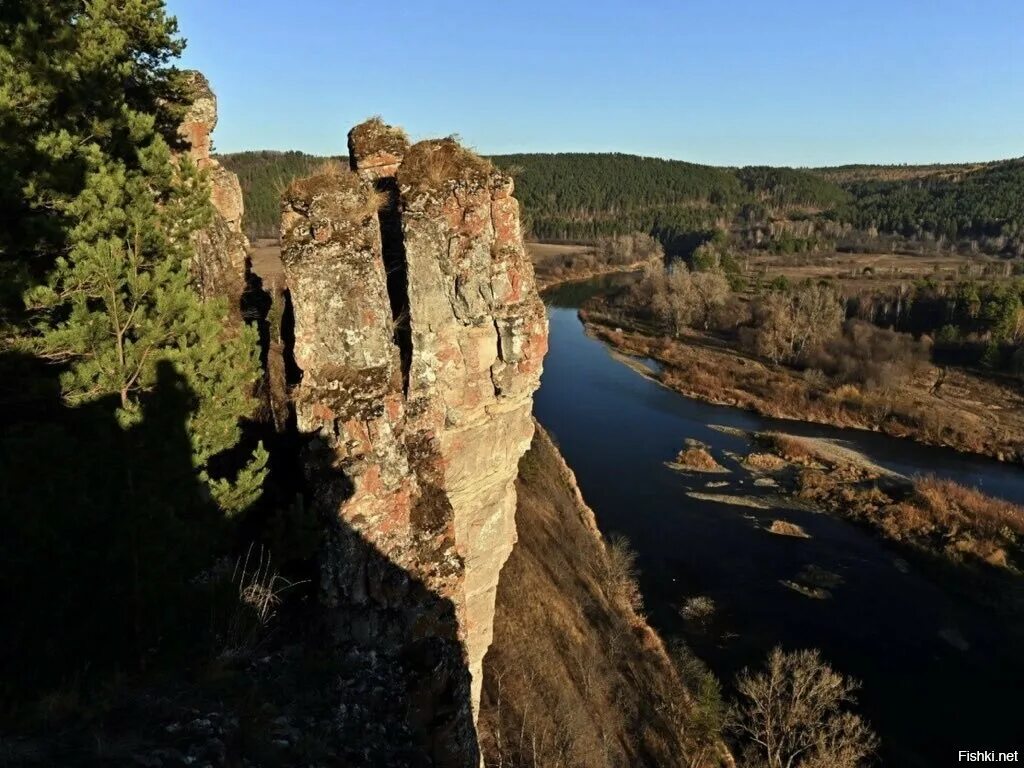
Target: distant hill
(979, 203)
(580, 196)
(263, 175)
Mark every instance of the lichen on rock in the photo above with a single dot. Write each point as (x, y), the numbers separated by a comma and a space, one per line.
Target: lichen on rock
(220, 248)
(416, 392)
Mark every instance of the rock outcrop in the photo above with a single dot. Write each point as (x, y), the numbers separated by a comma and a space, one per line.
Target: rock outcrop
(221, 246)
(420, 336)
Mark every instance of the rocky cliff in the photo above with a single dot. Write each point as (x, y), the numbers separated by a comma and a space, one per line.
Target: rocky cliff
(420, 335)
(220, 247)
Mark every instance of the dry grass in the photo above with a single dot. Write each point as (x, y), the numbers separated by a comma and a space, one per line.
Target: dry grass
(431, 164)
(954, 504)
(697, 459)
(764, 462)
(784, 528)
(574, 677)
(330, 167)
(791, 448)
(351, 198)
(374, 135)
(936, 516)
(259, 587)
(959, 521)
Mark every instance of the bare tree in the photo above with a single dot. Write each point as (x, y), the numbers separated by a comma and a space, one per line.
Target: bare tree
(791, 714)
(680, 297)
(790, 324)
(693, 298)
(629, 249)
(711, 290)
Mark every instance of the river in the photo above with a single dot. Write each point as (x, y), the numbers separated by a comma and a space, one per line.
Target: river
(938, 673)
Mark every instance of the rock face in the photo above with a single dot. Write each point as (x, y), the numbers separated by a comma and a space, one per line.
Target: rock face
(420, 336)
(221, 247)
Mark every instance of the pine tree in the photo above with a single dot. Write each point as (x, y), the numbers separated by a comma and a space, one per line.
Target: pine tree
(107, 213)
(123, 391)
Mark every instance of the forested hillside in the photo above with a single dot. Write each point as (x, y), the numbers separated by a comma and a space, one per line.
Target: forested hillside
(263, 175)
(984, 205)
(582, 196)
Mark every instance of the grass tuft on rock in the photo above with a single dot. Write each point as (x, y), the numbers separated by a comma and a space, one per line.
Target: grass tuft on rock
(431, 164)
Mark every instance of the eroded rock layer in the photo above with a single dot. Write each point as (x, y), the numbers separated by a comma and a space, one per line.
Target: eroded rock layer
(221, 246)
(420, 336)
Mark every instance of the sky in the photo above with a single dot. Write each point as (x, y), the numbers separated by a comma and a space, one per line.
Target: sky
(722, 82)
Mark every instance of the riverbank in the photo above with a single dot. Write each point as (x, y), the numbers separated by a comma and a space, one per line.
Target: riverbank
(886, 620)
(559, 263)
(954, 409)
(547, 280)
(939, 517)
(969, 542)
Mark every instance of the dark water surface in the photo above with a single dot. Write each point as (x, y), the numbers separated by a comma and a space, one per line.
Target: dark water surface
(938, 674)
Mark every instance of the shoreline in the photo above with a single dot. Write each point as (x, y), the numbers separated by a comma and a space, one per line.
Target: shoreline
(629, 342)
(545, 283)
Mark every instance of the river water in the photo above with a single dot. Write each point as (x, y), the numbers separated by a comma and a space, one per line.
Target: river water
(938, 673)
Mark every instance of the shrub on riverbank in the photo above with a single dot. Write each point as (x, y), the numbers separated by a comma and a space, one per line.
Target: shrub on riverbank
(963, 521)
(696, 458)
(953, 411)
(938, 516)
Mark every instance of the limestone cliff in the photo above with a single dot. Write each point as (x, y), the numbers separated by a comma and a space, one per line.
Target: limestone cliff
(221, 246)
(420, 335)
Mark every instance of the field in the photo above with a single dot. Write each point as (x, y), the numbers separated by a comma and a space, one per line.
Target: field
(553, 262)
(866, 271)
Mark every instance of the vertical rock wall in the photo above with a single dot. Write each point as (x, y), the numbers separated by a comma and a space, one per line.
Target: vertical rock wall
(420, 335)
(221, 247)
(479, 335)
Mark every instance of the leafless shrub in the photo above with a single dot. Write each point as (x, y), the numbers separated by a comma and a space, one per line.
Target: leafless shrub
(731, 314)
(872, 357)
(792, 715)
(698, 610)
(622, 573)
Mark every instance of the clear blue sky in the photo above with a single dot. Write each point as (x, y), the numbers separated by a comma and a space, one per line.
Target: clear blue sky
(726, 82)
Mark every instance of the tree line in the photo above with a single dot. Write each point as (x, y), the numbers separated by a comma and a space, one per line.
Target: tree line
(583, 196)
(263, 175)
